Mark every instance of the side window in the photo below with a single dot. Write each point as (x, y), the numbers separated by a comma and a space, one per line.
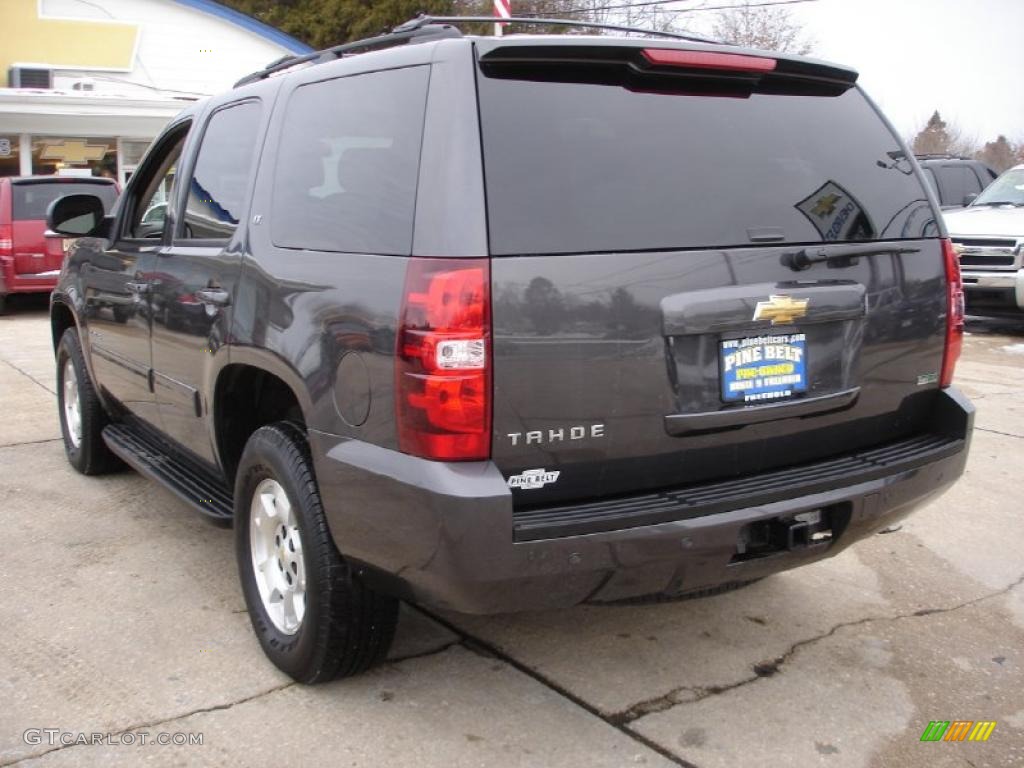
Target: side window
(959, 181)
(929, 176)
(216, 191)
(980, 180)
(972, 184)
(157, 176)
(348, 163)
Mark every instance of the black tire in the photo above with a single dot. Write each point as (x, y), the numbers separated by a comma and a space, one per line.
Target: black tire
(3, 302)
(90, 456)
(121, 314)
(347, 627)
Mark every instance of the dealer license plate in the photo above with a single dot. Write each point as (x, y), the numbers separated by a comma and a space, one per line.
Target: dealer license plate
(760, 369)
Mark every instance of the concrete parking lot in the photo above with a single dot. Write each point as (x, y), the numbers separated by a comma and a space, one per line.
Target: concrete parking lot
(120, 612)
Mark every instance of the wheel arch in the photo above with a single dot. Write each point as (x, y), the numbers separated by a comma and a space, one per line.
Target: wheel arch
(61, 318)
(248, 394)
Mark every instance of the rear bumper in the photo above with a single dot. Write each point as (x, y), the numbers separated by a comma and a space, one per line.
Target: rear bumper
(11, 282)
(994, 290)
(442, 534)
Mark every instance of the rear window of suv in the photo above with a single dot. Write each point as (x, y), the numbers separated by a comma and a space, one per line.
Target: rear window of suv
(348, 163)
(31, 199)
(584, 167)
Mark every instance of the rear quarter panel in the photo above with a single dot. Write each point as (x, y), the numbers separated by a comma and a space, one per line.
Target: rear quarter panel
(327, 320)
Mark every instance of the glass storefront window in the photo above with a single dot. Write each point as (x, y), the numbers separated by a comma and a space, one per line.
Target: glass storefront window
(132, 151)
(69, 156)
(9, 154)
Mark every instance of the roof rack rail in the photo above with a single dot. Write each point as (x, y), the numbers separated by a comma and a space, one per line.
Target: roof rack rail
(425, 28)
(940, 156)
(421, 33)
(424, 19)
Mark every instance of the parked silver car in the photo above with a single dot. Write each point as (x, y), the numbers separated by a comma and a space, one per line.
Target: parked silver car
(988, 235)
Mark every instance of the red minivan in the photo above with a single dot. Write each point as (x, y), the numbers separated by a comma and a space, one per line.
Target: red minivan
(29, 261)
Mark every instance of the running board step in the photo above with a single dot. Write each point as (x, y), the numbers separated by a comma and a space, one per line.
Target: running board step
(186, 479)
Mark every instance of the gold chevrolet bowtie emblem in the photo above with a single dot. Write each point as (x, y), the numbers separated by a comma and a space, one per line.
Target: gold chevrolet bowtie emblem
(825, 206)
(73, 151)
(781, 310)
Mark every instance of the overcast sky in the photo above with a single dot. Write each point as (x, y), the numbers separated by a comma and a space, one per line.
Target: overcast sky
(962, 57)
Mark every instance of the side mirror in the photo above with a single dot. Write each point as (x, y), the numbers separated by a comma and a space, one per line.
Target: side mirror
(75, 215)
(968, 199)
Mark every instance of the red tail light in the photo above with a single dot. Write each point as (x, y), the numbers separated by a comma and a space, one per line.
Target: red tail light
(442, 367)
(6, 240)
(954, 314)
(669, 57)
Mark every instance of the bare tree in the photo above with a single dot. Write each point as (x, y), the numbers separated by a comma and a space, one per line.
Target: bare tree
(938, 137)
(771, 28)
(623, 12)
(999, 154)
(628, 14)
(933, 139)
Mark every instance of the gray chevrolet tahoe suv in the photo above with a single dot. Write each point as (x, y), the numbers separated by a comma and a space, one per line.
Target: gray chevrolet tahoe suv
(494, 324)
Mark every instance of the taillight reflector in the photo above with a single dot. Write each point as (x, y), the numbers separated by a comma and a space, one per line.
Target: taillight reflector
(442, 366)
(6, 240)
(668, 57)
(954, 314)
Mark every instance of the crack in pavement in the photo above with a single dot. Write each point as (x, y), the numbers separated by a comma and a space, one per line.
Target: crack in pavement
(997, 432)
(985, 395)
(31, 442)
(693, 694)
(155, 723)
(424, 654)
(485, 649)
(28, 376)
(216, 707)
(620, 721)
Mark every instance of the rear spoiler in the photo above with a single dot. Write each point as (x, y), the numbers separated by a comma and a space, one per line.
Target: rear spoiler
(670, 69)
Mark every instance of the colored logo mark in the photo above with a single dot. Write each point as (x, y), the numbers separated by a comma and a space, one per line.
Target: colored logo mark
(958, 730)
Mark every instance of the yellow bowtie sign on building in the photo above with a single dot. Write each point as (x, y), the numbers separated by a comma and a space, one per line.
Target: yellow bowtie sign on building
(72, 151)
(28, 38)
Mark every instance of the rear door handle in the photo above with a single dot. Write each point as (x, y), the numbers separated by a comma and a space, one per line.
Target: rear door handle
(216, 296)
(138, 288)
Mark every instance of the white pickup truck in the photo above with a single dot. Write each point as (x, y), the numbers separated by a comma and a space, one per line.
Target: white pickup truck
(988, 235)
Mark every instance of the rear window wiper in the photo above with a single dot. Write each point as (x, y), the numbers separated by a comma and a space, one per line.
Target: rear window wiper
(841, 255)
(996, 202)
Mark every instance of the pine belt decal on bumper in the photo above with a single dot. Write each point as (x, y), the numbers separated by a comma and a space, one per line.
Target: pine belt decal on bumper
(533, 478)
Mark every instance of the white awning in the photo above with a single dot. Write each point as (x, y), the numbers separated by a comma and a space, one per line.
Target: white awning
(40, 112)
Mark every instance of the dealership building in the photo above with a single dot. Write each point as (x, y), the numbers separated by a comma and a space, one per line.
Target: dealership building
(85, 85)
